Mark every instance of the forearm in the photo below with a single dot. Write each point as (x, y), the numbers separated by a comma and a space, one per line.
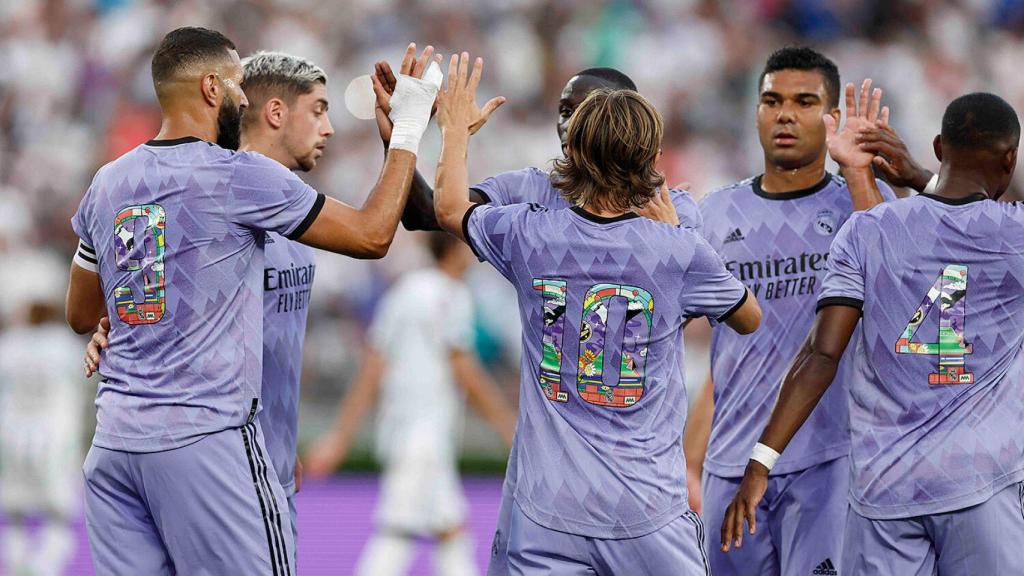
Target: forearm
(698, 427)
(863, 188)
(84, 304)
(419, 210)
(804, 385)
(485, 397)
(452, 190)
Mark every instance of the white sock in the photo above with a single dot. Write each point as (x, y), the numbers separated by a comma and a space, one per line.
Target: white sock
(454, 557)
(385, 555)
(56, 547)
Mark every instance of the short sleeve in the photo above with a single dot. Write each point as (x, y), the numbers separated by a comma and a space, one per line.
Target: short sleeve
(686, 208)
(708, 288)
(491, 232)
(516, 187)
(265, 195)
(844, 277)
(80, 221)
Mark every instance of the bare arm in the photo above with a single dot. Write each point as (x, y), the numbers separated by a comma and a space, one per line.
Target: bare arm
(85, 304)
(809, 377)
(695, 441)
(855, 162)
(330, 450)
(893, 158)
(483, 395)
(747, 318)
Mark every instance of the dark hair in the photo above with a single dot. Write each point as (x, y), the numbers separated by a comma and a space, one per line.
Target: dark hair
(980, 120)
(613, 140)
(611, 77)
(440, 244)
(804, 58)
(187, 47)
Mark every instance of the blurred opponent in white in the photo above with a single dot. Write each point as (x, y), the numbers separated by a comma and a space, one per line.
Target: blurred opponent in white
(41, 406)
(420, 347)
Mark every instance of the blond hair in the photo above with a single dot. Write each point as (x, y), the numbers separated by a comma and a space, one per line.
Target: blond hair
(613, 141)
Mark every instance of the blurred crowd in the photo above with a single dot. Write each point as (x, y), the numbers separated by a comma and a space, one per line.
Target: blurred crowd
(75, 92)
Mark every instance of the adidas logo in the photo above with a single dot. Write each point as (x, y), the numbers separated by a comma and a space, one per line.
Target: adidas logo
(734, 236)
(826, 568)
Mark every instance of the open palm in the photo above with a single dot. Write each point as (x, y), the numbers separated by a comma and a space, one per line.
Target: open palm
(868, 113)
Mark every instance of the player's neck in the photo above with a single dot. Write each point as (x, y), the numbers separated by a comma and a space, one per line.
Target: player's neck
(603, 213)
(254, 142)
(779, 180)
(960, 184)
(176, 126)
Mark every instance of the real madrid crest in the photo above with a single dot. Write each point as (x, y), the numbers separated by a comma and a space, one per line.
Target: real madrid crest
(825, 223)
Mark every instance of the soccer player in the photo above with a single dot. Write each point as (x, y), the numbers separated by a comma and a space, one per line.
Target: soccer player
(935, 397)
(288, 122)
(419, 362)
(600, 483)
(774, 232)
(172, 237)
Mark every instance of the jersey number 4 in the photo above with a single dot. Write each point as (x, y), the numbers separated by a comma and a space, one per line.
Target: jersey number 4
(139, 246)
(950, 289)
(593, 333)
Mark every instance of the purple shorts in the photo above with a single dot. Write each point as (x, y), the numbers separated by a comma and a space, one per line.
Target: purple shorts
(210, 508)
(800, 523)
(984, 539)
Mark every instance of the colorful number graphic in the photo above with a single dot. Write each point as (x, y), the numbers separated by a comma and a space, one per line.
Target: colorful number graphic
(950, 289)
(593, 343)
(145, 255)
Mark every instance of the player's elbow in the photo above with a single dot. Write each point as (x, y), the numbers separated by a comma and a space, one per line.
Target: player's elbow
(747, 318)
(79, 322)
(374, 246)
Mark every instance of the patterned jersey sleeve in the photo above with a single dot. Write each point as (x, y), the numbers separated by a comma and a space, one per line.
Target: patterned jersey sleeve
(708, 288)
(515, 187)
(265, 195)
(686, 208)
(491, 232)
(85, 253)
(844, 278)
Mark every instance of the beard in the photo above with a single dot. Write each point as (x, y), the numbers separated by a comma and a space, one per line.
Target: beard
(229, 125)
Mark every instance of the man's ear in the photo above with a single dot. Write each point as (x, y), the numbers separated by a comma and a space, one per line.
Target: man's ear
(212, 89)
(1010, 160)
(937, 147)
(275, 111)
(837, 114)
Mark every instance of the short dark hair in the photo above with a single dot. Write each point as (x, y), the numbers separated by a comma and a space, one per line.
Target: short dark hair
(440, 244)
(979, 120)
(611, 77)
(804, 58)
(186, 47)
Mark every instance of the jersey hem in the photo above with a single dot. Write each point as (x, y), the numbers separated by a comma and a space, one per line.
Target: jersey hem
(148, 445)
(817, 459)
(942, 506)
(587, 530)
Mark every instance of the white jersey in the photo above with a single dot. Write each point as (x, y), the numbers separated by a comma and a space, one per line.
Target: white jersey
(41, 409)
(421, 320)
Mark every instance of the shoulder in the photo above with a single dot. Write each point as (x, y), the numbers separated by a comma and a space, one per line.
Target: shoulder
(724, 195)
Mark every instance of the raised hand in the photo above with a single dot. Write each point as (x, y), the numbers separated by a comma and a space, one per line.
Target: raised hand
(744, 506)
(893, 158)
(384, 82)
(456, 104)
(842, 143)
(660, 208)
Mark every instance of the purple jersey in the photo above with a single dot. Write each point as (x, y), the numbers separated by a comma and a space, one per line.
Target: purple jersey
(936, 396)
(178, 230)
(532, 185)
(287, 279)
(776, 244)
(599, 452)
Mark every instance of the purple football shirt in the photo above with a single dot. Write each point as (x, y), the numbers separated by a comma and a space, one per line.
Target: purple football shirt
(935, 396)
(776, 244)
(533, 185)
(178, 230)
(287, 280)
(602, 402)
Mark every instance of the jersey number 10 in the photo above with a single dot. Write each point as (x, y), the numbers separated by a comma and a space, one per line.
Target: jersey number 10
(950, 289)
(143, 252)
(593, 332)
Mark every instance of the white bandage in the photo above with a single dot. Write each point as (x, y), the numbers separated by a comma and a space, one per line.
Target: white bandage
(765, 455)
(410, 108)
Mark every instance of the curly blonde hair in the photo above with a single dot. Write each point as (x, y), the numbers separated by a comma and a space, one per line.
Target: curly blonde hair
(613, 141)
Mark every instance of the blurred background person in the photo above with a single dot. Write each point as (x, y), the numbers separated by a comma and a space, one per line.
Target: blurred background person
(41, 413)
(419, 363)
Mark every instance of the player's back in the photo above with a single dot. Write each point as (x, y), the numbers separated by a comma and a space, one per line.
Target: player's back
(176, 226)
(936, 394)
(599, 440)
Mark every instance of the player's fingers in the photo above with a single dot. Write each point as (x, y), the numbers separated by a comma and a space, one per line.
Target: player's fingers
(876, 104)
(851, 104)
(885, 166)
(737, 524)
(453, 71)
(830, 126)
(421, 63)
(474, 77)
(383, 98)
(878, 148)
(408, 59)
(883, 117)
(752, 517)
(492, 105)
(387, 76)
(865, 95)
(726, 535)
(463, 69)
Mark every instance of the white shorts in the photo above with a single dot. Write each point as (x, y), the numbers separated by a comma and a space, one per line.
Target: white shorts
(420, 490)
